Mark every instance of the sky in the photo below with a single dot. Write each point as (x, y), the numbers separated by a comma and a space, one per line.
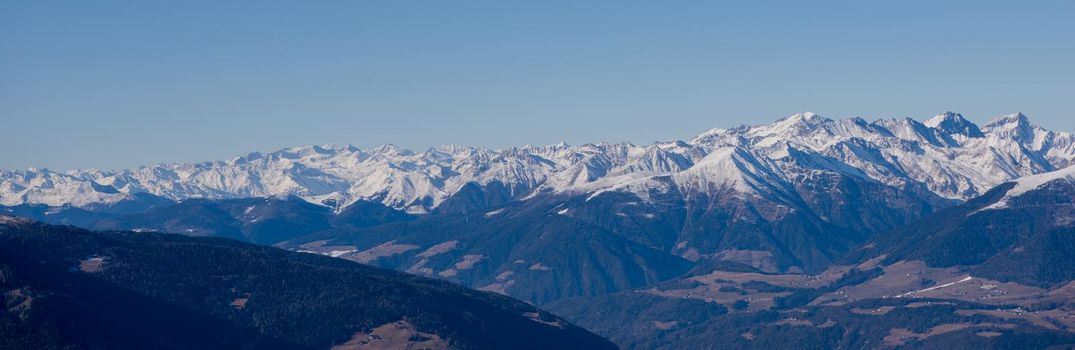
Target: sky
(118, 84)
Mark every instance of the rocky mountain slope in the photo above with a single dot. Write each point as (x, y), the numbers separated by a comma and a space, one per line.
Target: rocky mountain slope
(996, 271)
(1022, 232)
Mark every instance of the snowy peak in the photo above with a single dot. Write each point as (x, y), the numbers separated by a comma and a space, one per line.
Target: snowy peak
(804, 117)
(951, 123)
(1010, 121)
(796, 124)
(1014, 126)
(729, 169)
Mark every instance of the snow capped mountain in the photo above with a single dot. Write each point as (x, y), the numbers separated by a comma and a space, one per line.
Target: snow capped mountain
(730, 169)
(41, 186)
(946, 155)
(951, 123)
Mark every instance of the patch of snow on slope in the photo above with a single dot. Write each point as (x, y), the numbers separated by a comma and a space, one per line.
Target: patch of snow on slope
(1030, 183)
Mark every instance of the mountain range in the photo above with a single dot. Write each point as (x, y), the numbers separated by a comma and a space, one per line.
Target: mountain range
(907, 233)
(946, 155)
(788, 196)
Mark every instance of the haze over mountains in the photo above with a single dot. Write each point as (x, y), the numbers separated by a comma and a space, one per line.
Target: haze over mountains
(907, 233)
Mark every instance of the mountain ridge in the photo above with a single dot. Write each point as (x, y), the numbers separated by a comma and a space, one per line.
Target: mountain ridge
(949, 155)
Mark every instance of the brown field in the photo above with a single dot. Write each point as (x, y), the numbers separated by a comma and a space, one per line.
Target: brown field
(239, 303)
(385, 249)
(536, 317)
(92, 265)
(396, 335)
(907, 279)
(1057, 319)
(900, 336)
(710, 285)
(438, 248)
(912, 279)
(878, 311)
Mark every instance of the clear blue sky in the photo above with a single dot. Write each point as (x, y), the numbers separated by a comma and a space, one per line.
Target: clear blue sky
(111, 84)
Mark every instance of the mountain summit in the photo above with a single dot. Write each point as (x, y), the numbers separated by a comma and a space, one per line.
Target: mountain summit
(954, 123)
